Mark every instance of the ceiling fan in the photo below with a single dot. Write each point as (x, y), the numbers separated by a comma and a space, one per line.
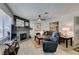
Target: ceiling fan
(40, 18)
(43, 17)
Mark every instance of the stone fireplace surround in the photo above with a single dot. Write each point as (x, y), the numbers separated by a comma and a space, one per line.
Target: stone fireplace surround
(22, 35)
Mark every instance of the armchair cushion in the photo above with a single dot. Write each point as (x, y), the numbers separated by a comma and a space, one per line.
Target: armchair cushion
(49, 46)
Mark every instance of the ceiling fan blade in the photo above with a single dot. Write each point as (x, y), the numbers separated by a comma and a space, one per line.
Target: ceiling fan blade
(43, 19)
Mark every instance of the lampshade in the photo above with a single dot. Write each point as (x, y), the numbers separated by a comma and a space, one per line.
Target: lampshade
(66, 29)
(67, 32)
(41, 32)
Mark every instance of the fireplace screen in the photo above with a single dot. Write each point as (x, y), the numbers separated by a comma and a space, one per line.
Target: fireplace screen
(23, 36)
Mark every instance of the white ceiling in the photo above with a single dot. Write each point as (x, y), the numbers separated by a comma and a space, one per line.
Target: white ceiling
(31, 10)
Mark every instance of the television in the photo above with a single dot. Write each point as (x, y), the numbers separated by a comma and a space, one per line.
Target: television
(19, 23)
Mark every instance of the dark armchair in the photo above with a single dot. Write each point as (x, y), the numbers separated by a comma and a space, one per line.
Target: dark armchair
(51, 45)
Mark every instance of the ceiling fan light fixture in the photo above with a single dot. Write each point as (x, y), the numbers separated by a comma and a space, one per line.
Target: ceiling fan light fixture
(39, 19)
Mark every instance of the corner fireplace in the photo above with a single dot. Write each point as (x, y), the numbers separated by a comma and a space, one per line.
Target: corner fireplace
(23, 36)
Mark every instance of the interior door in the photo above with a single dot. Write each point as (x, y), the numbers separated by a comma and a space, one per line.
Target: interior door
(76, 30)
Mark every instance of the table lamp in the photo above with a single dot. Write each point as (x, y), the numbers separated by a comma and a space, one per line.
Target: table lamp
(65, 31)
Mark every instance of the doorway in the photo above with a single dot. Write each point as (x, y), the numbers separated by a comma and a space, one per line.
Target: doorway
(76, 31)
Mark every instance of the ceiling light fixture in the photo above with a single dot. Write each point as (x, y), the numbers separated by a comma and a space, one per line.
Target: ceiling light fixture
(39, 19)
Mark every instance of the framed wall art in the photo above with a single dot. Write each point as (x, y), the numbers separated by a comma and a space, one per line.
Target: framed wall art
(37, 26)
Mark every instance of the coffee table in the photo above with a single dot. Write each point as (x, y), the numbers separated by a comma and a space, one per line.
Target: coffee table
(39, 38)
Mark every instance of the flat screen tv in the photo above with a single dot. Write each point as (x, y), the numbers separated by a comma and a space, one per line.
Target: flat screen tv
(19, 23)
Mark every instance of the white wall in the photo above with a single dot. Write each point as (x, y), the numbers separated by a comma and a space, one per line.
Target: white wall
(44, 25)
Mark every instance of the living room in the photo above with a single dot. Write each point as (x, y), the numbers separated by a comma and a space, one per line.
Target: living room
(29, 21)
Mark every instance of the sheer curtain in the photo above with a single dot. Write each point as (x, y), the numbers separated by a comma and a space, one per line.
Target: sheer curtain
(1, 25)
(5, 25)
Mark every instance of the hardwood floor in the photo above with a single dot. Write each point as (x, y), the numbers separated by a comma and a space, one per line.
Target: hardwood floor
(28, 48)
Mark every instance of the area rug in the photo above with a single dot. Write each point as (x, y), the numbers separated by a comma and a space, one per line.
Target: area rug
(76, 49)
(35, 44)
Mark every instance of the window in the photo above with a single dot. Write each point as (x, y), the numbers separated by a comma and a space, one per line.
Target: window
(1, 27)
(5, 25)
